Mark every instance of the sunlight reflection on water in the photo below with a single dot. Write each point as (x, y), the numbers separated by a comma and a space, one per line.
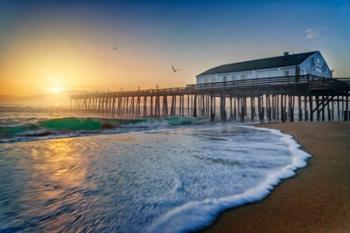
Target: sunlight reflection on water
(122, 183)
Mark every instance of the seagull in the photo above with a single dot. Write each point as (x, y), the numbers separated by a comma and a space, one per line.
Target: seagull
(115, 48)
(174, 70)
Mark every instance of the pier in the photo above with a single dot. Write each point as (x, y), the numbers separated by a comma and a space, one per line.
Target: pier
(287, 98)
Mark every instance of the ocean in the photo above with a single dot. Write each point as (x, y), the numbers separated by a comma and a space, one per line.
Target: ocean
(63, 172)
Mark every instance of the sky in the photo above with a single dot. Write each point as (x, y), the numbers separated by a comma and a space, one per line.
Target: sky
(49, 46)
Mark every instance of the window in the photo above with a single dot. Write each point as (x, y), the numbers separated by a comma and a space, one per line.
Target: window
(317, 69)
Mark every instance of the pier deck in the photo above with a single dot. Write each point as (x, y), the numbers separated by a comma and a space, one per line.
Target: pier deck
(272, 99)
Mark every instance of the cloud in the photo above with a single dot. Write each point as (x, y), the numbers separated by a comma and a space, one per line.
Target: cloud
(311, 34)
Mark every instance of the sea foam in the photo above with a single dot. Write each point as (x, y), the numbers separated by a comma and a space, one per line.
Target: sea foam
(198, 214)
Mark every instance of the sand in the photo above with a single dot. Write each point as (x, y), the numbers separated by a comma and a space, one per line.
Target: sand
(317, 199)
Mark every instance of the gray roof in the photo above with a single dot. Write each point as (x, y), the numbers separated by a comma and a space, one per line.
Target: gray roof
(265, 63)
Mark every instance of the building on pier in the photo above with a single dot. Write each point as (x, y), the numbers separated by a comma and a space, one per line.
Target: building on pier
(311, 63)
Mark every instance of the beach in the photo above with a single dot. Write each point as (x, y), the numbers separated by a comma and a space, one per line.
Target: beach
(317, 199)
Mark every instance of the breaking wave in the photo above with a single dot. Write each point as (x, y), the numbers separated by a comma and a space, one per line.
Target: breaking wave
(77, 126)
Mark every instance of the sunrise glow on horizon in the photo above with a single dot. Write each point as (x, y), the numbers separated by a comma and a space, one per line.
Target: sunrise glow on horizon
(60, 46)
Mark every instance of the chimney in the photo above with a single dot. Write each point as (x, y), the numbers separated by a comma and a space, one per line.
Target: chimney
(286, 53)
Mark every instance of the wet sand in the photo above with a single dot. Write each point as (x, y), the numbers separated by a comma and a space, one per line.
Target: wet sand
(317, 199)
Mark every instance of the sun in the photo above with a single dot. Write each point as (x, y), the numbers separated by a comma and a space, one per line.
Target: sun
(56, 89)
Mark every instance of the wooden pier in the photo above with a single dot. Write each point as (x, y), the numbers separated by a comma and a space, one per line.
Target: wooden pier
(288, 98)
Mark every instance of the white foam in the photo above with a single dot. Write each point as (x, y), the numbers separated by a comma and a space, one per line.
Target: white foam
(196, 215)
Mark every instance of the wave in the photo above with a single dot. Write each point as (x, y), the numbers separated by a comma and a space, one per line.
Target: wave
(77, 126)
(202, 213)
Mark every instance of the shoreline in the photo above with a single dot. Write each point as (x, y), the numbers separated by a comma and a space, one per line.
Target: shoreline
(317, 199)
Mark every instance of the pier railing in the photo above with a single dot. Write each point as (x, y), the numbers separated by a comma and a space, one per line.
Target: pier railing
(259, 82)
(343, 80)
(277, 81)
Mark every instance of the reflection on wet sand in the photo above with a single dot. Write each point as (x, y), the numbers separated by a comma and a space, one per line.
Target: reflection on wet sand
(132, 182)
(55, 180)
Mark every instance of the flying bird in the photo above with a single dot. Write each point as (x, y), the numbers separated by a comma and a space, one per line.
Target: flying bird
(174, 70)
(115, 48)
